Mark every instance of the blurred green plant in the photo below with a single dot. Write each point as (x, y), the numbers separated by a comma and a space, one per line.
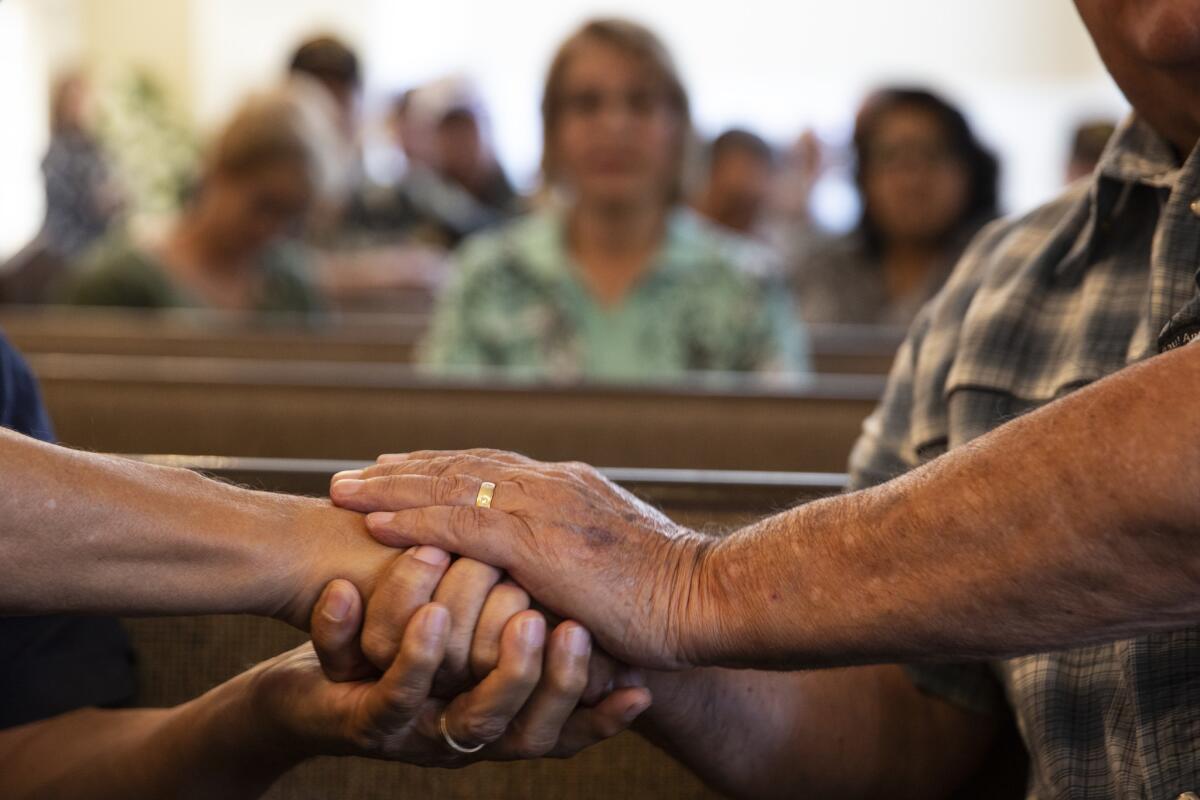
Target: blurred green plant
(157, 153)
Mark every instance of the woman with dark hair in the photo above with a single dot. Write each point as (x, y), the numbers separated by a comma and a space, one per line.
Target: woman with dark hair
(927, 185)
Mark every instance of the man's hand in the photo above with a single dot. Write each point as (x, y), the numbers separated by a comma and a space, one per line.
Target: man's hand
(583, 547)
(527, 707)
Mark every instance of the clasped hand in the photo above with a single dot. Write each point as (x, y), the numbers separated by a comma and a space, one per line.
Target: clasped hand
(458, 641)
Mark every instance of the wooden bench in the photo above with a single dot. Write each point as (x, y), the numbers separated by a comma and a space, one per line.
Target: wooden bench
(181, 658)
(244, 407)
(390, 338)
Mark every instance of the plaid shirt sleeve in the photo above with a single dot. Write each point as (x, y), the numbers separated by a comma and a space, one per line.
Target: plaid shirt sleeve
(888, 447)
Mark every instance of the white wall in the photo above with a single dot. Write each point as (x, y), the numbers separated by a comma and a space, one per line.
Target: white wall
(1024, 69)
(242, 44)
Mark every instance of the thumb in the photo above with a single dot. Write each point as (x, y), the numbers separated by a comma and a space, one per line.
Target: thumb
(336, 621)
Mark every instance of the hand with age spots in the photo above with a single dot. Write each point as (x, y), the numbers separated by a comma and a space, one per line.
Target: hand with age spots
(582, 547)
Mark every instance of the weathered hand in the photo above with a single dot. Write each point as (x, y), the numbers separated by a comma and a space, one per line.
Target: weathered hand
(520, 709)
(580, 545)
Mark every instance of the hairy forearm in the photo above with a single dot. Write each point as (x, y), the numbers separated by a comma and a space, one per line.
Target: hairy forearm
(864, 732)
(89, 533)
(1072, 525)
(209, 747)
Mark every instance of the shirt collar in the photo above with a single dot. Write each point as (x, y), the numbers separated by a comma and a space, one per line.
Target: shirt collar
(1135, 155)
(541, 245)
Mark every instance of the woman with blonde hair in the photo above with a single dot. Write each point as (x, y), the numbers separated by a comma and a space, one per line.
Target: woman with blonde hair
(229, 249)
(615, 279)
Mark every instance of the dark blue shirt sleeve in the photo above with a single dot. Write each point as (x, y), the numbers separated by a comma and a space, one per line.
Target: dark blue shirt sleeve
(50, 665)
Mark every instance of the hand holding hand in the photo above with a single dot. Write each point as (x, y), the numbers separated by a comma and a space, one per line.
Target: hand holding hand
(520, 709)
(580, 545)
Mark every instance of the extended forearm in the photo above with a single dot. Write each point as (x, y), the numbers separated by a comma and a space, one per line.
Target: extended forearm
(209, 747)
(89, 533)
(863, 732)
(1072, 525)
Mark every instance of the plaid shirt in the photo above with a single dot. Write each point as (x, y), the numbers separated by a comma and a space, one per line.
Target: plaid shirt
(1103, 276)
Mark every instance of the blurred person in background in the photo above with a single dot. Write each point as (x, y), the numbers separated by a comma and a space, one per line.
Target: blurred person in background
(230, 247)
(614, 279)
(1087, 146)
(328, 62)
(452, 185)
(927, 185)
(332, 63)
(84, 196)
(465, 159)
(740, 167)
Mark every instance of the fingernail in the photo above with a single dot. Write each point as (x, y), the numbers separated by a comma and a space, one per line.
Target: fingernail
(337, 604)
(436, 621)
(635, 711)
(347, 488)
(533, 630)
(380, 518)
(347, 475)
(579, 643)
(433, 556)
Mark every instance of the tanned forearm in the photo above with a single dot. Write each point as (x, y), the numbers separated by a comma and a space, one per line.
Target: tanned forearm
(1073, 525)
(81, 532)
(213, 746)
(853, 733)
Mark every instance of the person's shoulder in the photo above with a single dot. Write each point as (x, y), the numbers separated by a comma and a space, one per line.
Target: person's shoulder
(115, 252)
(117, 270)
(1006, 245)
(509, 247)
(290, 275)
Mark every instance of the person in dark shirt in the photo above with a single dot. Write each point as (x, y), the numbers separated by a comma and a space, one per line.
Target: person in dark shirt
(81, 532)
(53, 664)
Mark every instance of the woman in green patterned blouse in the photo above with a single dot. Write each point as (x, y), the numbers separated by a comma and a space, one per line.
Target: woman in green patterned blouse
(615, 281)
(228, 249)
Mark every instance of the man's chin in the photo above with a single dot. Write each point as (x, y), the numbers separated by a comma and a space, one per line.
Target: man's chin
(1166, 33)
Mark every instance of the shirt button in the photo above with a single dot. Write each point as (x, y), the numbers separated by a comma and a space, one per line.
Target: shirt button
(1195, 210)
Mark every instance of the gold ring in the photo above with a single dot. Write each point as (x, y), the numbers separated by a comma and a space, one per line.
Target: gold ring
(450, 739)
(484, 498)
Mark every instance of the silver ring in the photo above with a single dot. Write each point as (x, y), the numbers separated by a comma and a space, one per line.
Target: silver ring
(450, 739)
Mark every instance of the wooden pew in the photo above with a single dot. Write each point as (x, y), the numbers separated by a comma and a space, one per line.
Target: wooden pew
(298, 409)
(391, 338)
(181, 658)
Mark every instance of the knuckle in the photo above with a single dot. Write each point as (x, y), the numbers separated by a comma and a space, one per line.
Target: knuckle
(389, 484)
(377, 646)
(405, 696)
(465, 518)
(566, 681)
(523, 675)
(529, 745)
(483, 727)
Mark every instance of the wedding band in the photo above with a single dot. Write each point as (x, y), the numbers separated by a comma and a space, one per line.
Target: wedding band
(450, 739)
(484, 498)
